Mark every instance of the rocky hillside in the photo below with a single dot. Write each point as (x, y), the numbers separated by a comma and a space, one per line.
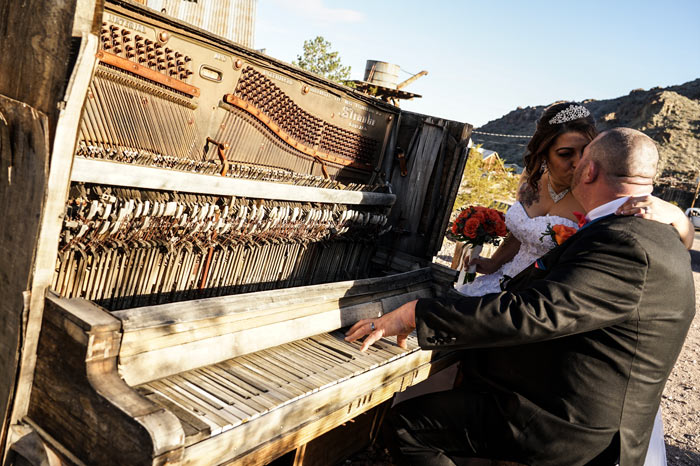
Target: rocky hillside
(671, 116)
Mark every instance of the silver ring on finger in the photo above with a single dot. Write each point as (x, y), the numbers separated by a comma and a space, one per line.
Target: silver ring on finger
(372, 327)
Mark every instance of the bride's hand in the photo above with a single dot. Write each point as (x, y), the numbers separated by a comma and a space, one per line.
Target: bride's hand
(483, 264)
(653, 208)
(650, 207)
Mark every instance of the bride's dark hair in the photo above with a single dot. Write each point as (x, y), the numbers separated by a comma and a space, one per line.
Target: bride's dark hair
(546, 133)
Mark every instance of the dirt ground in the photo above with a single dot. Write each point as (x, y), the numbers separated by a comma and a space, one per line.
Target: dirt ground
(680, 402)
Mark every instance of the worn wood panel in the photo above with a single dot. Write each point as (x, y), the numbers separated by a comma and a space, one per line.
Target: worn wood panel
(435, 162)
(35, 48)
(226, 306)
(149, 339)
(24, 160)
(455, 148)
(78, 398)
(164, 361)
(55, 195)
(121, 174)
(144, 327)
(412, 188)
(340, 443)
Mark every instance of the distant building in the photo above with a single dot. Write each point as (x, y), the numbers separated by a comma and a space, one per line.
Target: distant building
(231, 19)
(491, 161)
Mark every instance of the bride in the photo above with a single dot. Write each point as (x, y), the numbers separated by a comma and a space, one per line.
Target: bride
(544, 199)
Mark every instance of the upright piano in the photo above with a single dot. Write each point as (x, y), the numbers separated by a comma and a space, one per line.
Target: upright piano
(211, 220)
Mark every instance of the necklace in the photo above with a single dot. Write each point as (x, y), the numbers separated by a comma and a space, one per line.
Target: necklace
(556, 197)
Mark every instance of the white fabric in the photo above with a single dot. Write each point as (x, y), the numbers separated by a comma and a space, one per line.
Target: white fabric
(656, 454)
(606, 209)
(528, 230)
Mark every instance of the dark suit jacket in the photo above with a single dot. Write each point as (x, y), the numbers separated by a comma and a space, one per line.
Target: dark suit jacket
(578, 349)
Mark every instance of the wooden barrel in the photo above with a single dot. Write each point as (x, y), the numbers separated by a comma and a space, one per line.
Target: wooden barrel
(382, 73)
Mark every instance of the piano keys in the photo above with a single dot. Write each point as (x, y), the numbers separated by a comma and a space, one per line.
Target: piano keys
(219, 380)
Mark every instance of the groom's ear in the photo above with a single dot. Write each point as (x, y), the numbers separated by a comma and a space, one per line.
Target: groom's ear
(592, 171)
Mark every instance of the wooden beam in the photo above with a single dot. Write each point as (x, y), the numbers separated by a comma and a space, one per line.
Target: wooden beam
(24, 158)
(120, 174)
(180, 313)
(55, 192)
(163, 340)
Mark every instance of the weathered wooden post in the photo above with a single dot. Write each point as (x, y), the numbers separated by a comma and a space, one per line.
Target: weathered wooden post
(41, 44)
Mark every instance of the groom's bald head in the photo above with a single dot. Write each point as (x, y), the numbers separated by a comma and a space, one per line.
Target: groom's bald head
(619, 162)
(625, 157)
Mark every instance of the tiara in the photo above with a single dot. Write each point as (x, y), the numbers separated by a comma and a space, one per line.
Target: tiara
(570, 113)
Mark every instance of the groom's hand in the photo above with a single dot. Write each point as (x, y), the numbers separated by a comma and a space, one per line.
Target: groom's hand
(400, 322)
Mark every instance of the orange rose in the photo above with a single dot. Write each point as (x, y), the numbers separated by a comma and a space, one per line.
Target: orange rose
(562, 233)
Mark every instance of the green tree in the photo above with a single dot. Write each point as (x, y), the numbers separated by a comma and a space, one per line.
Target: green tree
(318, 58)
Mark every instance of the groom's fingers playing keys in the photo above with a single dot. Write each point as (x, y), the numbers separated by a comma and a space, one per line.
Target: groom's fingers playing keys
(360, 329)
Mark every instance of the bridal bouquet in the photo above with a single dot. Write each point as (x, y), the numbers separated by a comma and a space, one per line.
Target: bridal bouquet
(477, 226)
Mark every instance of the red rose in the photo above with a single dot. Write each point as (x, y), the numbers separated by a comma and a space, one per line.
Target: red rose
(470, 228)
(501, 230)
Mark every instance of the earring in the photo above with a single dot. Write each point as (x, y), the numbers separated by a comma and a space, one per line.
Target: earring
(543, 167)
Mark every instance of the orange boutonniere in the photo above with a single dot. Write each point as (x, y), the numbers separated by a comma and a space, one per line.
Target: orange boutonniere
(559, 233)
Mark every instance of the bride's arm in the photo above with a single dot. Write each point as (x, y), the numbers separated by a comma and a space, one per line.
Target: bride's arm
(653, 208)
(505, 252)
(507, 249)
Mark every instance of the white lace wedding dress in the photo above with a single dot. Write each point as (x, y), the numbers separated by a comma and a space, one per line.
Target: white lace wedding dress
(529, 230)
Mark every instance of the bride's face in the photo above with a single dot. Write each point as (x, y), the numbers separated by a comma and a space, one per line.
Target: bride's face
(562, 157)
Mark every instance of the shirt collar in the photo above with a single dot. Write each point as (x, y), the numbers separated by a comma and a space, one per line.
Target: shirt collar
(606, 209)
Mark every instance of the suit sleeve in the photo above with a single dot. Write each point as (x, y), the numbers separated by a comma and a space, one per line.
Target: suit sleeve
(595, 281)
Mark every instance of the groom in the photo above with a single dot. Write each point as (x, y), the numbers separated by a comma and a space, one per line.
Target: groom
(567, 365)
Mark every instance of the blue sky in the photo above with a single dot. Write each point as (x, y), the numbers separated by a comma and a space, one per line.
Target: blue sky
(485, 58)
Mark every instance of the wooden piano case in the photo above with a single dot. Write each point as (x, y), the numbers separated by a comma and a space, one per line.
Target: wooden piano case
(208, 221)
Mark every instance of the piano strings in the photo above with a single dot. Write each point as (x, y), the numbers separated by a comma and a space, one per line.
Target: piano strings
(125, 248)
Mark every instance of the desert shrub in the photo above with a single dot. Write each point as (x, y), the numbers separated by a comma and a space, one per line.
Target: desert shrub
(493, 187)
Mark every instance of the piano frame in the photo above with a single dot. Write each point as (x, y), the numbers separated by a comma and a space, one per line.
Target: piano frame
(41, 102)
